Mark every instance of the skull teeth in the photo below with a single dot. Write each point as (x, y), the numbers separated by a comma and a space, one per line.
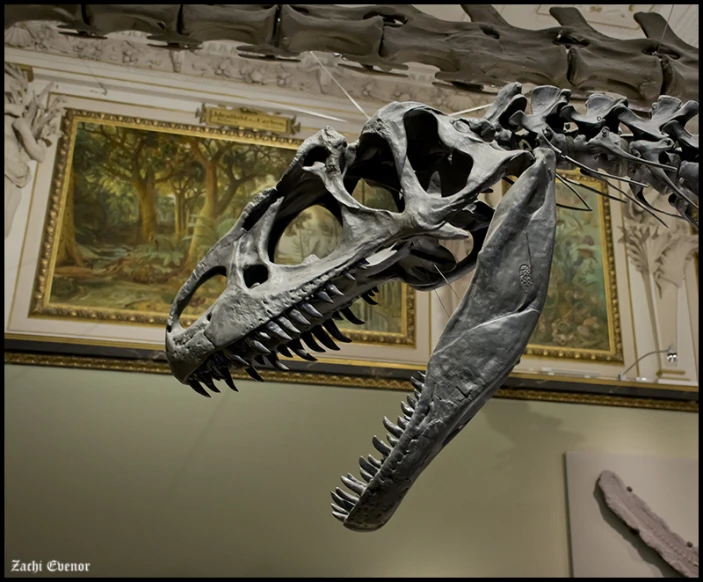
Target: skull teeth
(311, 343)
(309, 309)
(282, 335)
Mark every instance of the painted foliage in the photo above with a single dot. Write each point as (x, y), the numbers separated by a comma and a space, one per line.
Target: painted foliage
(142, 206)
(578, 314)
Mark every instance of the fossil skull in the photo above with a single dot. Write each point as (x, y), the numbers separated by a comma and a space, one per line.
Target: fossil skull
(433, 165)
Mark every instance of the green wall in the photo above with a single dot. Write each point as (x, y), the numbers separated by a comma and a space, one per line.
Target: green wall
(139, 476)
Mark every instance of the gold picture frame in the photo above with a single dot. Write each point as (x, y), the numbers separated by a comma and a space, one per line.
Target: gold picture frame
(603, 315)
(42, 304)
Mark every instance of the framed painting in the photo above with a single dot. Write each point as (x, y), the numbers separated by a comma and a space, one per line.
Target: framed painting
(581, 319)
(139, 203)
(128, 208)
(131, 198)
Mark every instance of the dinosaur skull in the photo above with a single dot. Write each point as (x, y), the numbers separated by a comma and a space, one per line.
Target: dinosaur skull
(435, 167)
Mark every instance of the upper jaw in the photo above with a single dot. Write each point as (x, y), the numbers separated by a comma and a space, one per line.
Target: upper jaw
(243, 326)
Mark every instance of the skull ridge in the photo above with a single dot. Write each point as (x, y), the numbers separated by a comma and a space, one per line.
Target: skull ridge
(434, 166)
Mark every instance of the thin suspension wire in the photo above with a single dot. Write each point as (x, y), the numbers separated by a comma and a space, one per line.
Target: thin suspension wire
(666, 26)
(442, 304)
(331, 76)
(447, 282)
(588, 208)
(471, 110)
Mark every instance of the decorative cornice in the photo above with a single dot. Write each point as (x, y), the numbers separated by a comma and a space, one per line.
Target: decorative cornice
(221, 60)
(382, 39)
(655, 249)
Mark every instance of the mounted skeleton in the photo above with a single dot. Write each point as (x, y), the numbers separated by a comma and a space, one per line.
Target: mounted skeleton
(435, 166)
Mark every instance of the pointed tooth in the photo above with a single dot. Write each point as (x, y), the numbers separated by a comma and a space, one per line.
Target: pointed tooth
(366, 475)
(297, 347)
(402, 422)
(195, 385)
(209, 383)
(263, 335)
(417, 393)
(298, 317)
(310, 310)
(381, 447)
(362, 264)
(237, 359)
(324, 296)
(285, 322)
(406, 409)
(337, 317)
(392, 428)
(412, 401)
(351, 317)
(375, 289)
(368, 467)
(375, 462)
(221, 361)
(311, 343)
(353, 485)
(423, 376)
(332, 328)
(325, 340)
(349, 276)
(285, 351)
(277, 330)
(341, 502)
(229, 382)
(259, 347)
(333, 289)
(416, 382)
(253, 373)
(391, 439)
(276, 363)
(338, 509)
(340, 516)
(350, 497)
(279, 365)
(357, 481)
(366, 297)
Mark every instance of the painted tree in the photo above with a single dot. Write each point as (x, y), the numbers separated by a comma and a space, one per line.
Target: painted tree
(228, 166)
(136, 157)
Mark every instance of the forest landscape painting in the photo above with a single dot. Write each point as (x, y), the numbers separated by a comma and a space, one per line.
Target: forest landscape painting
(143, 201)
(580, 316)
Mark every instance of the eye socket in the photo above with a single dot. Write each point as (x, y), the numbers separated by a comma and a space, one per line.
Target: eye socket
(375, 196)
(314, 231)
(440, 169)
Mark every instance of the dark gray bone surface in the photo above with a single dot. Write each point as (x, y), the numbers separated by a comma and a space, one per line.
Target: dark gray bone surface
(434, 166)
(382, 38)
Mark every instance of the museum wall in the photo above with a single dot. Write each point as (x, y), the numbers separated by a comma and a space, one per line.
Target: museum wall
(136, 476)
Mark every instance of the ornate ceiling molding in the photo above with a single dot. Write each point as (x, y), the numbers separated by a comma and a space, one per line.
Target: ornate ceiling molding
(385, 39)
(220, 60)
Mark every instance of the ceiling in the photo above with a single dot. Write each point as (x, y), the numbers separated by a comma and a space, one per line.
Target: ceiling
(611, 19)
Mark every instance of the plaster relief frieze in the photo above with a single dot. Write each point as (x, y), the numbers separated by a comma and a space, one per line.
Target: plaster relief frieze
(661, 251)
(221, 60)
(30, 125)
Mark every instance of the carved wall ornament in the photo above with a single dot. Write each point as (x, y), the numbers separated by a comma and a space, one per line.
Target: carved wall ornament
(221, 60)
(661, 251)
(383, 39)
(30, 126)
